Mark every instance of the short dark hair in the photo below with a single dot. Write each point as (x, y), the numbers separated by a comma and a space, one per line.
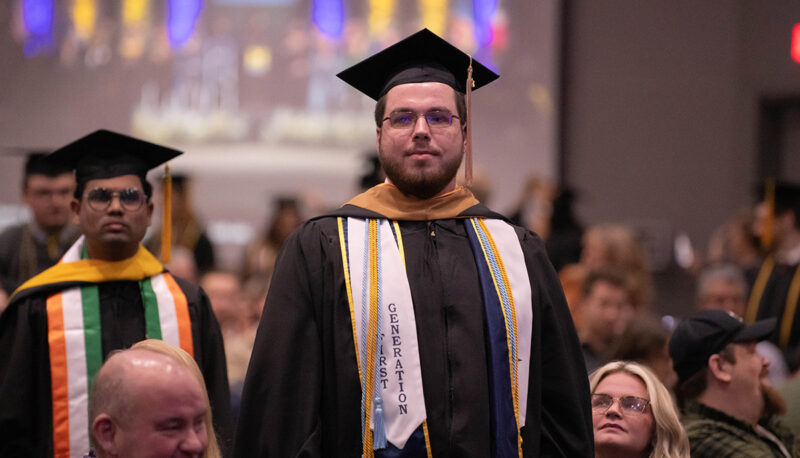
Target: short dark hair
(146, 187)
(689, 389)
(609, 275)
(39, 164)
(461, 108)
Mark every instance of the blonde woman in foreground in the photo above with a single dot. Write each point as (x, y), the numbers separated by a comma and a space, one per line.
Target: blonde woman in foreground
(633, 414)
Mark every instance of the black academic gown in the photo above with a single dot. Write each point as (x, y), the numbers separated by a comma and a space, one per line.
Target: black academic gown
(773, 304)
(25, 391)
(23, 255)
(302, 392)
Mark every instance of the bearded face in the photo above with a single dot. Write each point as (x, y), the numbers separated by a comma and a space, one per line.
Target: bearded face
(421, 160)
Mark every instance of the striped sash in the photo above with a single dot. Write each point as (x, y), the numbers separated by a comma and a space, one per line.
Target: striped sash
(372, 250)
(506, 290)
(76, 352)
(385, 336)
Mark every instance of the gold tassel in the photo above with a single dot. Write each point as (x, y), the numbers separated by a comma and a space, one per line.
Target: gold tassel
(768, 229)
(166, 224)
(468, 142)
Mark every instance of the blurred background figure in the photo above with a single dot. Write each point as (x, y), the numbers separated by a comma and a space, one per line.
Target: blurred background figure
(151, 398)
(28, 248)
(224, 290)
(183, 264)
(645, 341)
(615, 245)
(481, 183)
(535, 206)
(605, 312)
(633, 414)
(723, 287)
(563, 243)
(260, 255)
(187, 231)
(775, 289)
(735, 242)
(572, 278)
(373, 171)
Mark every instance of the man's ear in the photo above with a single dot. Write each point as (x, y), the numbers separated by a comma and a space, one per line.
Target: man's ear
(75, 205)
(718, 368)
(104, 432)
(150, 208)
(378, 138)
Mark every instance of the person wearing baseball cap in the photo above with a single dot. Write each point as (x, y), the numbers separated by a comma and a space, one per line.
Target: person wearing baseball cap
(728, 405)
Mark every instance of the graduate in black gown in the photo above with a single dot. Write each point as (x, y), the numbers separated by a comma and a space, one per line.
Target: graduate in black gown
(32, 246)
(775, 285)
(106, 293)
(334, 372)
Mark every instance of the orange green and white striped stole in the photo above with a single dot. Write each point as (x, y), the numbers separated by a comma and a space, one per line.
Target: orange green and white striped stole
(506, 290)
(76, 352)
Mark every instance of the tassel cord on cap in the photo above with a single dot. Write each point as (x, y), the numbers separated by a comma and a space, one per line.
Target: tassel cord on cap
(166, 224)
(468, 141)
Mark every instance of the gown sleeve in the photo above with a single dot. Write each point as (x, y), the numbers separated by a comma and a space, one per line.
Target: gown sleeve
(281, 399)
(25, 425)
(563, 408)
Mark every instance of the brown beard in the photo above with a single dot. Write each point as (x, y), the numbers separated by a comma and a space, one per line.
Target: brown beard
(422, 185)
(774, 404)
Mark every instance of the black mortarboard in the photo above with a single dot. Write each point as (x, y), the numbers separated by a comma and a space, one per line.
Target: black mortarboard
(37, 163)
(106, 154)
(707, 332)
(787, 196)
(422, 57)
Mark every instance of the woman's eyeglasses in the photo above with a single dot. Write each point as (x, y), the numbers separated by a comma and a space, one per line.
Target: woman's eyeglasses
(632, 404)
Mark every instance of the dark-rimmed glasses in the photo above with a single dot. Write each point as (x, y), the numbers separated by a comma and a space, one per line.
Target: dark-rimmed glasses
(130, 199)
(632, 404)
(408, 119)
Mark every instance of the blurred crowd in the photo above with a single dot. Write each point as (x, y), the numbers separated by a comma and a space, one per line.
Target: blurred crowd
(607, 271)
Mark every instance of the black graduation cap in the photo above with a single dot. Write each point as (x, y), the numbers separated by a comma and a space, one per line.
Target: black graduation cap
(422, 57)
(106, 154)
(787, 196)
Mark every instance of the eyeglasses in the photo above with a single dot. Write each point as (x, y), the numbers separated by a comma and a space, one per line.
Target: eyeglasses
(408, 119)
(632, 404)
(130, 199)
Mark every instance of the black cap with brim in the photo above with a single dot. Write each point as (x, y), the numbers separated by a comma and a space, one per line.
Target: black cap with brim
(422, 57)
(105, 154)
(787, 195)
(707, 332)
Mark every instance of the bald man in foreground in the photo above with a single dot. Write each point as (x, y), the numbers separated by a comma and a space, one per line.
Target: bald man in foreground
(151, 401)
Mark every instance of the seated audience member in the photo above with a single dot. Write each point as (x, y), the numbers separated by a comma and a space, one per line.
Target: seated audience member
(645, 342)
(633, 414)
(225, 292)
(734, 242)
(572, 278)
(615, 245)
(723, 287)
(605, 311)
(261, 254)
(729, 409)
(151, 400)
